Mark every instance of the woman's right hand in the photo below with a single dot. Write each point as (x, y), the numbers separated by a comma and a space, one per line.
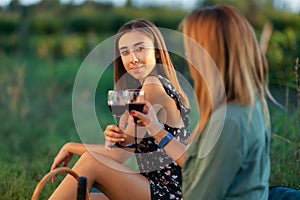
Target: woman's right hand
(112, 135)
(63, 156)
(149, 118)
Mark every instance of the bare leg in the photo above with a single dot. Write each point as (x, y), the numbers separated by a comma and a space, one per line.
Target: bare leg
(115, 180)
(98, 196)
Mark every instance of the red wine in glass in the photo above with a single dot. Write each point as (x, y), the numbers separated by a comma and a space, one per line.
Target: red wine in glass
(136, 106)
(136, 101)
(117, 110)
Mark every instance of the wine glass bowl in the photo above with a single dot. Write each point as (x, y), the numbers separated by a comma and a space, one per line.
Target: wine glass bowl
(135, 101)
(116, 100)
(117, 103)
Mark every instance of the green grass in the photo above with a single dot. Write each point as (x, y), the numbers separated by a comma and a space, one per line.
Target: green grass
(285, 148)
(36, 120)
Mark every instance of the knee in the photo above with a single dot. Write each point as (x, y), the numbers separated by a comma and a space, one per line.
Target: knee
(87, 160)
(92, 159)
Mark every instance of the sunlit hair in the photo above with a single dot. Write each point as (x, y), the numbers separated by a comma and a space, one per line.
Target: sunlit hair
(164, 65)
(230, 40)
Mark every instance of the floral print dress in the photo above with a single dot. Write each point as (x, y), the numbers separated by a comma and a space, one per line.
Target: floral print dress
(162, 172)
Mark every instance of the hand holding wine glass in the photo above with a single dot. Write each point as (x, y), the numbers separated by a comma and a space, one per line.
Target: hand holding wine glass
(116, 101)
(149, 119)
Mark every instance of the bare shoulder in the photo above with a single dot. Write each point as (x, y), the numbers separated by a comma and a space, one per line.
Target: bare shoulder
(152, 80)
(154, 90)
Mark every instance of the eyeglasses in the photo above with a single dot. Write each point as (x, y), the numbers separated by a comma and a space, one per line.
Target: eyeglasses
(137, 50)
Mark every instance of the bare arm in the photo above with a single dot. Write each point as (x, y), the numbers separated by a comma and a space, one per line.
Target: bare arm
(174, 148)
(66, 153)
(79, 149)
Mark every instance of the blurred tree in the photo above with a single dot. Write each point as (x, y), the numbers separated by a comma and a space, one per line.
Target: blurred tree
(254, 10)
(23, 31)
(50, 3)
(14, 5)
(129, 3)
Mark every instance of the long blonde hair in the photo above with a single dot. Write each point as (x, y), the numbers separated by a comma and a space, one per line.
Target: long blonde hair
(230, 41)
(164, 65)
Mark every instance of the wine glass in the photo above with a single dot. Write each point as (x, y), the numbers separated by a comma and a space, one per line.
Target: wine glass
(135, 101)
(117, 102)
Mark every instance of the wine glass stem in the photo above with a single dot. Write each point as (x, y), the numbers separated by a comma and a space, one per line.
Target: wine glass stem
(135, 133)
(117, 119)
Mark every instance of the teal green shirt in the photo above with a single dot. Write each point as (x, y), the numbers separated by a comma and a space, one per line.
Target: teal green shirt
(232, 163)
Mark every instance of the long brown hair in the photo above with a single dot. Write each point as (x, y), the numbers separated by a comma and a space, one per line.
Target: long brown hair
(230, 41)
(164, 65)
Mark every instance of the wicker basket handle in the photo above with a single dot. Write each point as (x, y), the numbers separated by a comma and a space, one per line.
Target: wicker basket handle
(49, 175)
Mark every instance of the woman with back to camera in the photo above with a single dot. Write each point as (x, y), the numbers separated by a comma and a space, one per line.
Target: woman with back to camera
(142, 58)
(231, 162)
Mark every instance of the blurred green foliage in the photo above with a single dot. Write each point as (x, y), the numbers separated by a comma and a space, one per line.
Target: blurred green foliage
(47, 31)
(53, 30)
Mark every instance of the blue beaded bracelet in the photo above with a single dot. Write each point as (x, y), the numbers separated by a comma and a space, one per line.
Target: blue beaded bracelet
(165, 140)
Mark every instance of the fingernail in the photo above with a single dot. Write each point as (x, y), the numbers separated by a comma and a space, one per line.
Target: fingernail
(123, 140)
(132, 112)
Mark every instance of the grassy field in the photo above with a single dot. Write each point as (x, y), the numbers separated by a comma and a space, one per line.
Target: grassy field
(36, 120)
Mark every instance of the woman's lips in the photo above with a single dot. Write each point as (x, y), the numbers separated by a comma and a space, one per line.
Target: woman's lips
(136, 68)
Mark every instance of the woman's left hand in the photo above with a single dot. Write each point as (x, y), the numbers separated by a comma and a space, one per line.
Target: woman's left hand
(64, 157)
(112, 135)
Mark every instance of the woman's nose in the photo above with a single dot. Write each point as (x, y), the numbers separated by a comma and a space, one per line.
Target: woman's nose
(134, 58)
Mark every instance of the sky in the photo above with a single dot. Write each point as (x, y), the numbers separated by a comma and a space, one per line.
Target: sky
(293, 5)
